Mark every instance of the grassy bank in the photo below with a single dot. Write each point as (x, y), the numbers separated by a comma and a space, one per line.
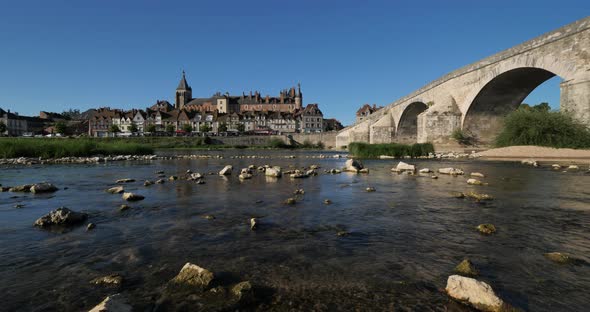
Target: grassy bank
(543, 128)
(56, 148)
(364, 150)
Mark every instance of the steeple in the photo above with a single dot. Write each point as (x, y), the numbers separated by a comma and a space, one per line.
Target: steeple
(184, 93)
(183, 85)
(298, 97)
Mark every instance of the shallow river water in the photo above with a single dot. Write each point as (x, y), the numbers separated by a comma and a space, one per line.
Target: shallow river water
(404, 239)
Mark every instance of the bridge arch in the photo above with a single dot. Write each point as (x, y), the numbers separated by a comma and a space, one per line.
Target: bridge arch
(500, 96)
(407, 127)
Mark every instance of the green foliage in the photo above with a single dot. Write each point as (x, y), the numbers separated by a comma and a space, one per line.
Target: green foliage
(205, 128)
(71, 114)
(207, 140)
(365, 150)
(133, 128)
(187, 128)
(463, 137)
(114, 129)
(151, 128)
(222, 127)
(55, 148)
(61, 127)
(542, 107)
(278, 143)
(170, 128)
(3, 127)
(539, 126)
(241, 128)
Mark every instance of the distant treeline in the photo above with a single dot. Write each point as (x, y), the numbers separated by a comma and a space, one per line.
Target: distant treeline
(57, 148)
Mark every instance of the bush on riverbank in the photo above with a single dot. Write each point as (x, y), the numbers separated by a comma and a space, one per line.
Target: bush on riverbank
(543, 128)
(56, 148)
(364, 150)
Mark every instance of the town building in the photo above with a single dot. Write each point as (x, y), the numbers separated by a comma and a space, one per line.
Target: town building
(365, 111)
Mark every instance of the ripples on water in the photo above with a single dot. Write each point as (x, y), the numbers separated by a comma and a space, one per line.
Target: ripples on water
(405, 238)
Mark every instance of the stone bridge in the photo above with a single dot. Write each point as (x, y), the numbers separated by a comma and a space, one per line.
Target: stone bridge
(475, 98)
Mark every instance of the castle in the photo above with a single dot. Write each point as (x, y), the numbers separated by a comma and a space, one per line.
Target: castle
(288, 101)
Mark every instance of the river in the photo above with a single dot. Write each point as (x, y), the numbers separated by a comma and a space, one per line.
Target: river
(403, 240)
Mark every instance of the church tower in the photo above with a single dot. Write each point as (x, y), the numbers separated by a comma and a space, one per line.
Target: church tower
(298, 97)
(184, 93)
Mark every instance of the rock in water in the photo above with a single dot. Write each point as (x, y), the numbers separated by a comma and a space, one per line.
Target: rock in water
(148, 183)
(132, 197)
(370, 189)
(403, 167)
(21, 188)
(243, 291)
(353, 165)
(486, 228)
(467, 268)
(451, 171)
(558, 257)
(477, 293)
(193, 275)
(109, 280)
(273, 172)
(116, 190)
(474, 182)
(253, 224)
(90, 226)
(61, 216)
(477, 175)
(114, 303)
(530, 162)
(127, 180)
(425, 170)
(43, 188)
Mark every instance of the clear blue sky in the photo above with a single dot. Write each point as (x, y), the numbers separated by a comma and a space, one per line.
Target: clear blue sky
(56, 55)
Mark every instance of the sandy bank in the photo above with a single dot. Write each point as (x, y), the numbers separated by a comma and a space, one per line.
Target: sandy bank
(536, 152)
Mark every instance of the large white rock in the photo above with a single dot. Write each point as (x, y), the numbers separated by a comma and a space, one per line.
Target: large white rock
(530, 162)
(477, 293)
(353, 165)
(404, 167)
(46, 188)
(114, 303)
(132, 196)
(226, 170)
(273, 172)
(194, 275)
(451, 171)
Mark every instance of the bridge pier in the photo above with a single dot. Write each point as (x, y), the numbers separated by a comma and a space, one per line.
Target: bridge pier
(575, 98)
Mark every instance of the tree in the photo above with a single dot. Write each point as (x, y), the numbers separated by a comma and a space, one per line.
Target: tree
(71, 114)
(187, 128)
(114, 129)
(222, 127)
(133, 128)
(61, 127)
(205, 128)
(170, 128)
(3, 128)
(151, 128)
(241, 128)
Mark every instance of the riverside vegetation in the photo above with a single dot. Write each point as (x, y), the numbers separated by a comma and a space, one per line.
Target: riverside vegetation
(85, 147)
(364, 150)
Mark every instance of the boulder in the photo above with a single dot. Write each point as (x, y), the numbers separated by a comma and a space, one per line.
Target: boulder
(161, 181)
(114, 303)
(193, 275)
(556, 166)
(451, 171)
(370, 189)
(425, 170)
(404, 167)
(43, 188)
(126, 180)
(364, 170)
(299, 192)
(290, 201)
(327, 202)
(477, 293)
(132, 196)
(273, 172)
(467, 268)
(243, 291)
(486, 228)
(245, 171)
(477, 175)
(253, 224)
(173, 178)
(335, 171)
(116, 190)
(474, 182)
(245, 176)
(90, 226)
(571, 167)
(353, 165)
(21, 188)
(478, 196)
(61, 217)
(148, 183)
(226, 170)
(299, 175)
(109, 280)
(558, 257)
(530, 162)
